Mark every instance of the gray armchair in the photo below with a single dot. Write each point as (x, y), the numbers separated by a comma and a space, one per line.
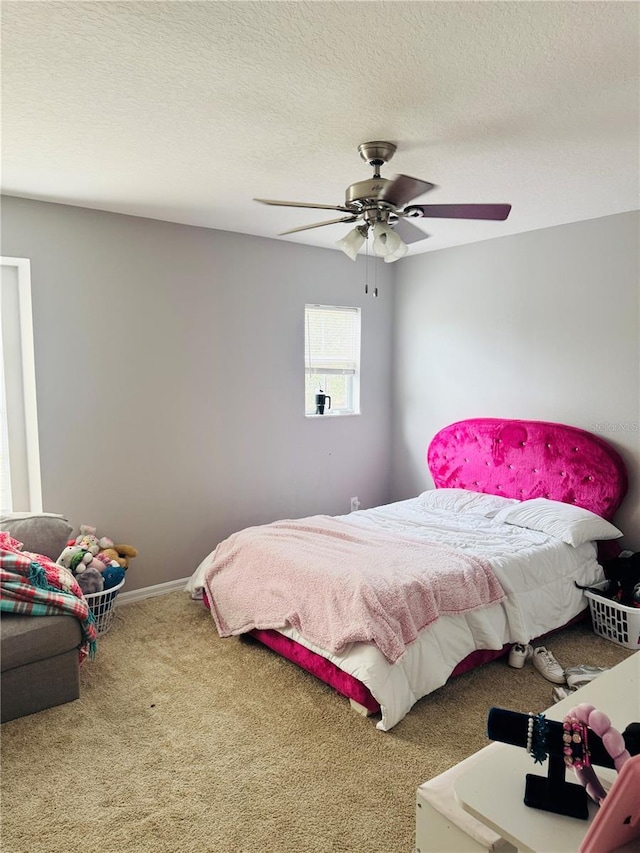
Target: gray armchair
(38, 654)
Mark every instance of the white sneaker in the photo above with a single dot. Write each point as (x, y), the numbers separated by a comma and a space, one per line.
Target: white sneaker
(519, 654)
(547, 665)
(560, 693)
(578, 676)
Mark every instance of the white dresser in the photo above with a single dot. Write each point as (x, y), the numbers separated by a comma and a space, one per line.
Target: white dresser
(478, 804)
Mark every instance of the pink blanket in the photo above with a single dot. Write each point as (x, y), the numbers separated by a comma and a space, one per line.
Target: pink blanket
(337, 583)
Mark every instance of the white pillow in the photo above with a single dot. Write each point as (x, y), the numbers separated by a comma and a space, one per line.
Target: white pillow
(573, 524)
(464, 500)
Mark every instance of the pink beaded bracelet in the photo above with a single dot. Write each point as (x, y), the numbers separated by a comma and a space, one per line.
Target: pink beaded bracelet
(576, 724)
(576, 743)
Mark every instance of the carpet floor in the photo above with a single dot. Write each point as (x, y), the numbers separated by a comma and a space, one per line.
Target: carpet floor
(185, 743)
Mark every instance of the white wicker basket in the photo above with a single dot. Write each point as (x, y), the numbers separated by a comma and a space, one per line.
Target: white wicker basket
(614, 621)
(102, 605)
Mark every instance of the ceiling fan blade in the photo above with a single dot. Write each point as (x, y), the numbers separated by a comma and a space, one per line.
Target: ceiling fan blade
(462, 211)
(408, 232)
(303, 204)
(402, 188)
(318, 225)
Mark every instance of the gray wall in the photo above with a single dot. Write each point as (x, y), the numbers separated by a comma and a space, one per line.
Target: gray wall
(169, 364)
(170, 380)
(543, 325)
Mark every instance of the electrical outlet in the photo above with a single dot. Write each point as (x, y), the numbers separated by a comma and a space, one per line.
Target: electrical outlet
(355, 504)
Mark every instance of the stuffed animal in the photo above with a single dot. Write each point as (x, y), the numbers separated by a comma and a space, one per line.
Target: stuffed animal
(70, 557)
(112, 576)
(89, 543)
(87, 539)
(125, 553)
(109, 557)
(90, 581)
(78, 560)
(102, 548)
(120, 554)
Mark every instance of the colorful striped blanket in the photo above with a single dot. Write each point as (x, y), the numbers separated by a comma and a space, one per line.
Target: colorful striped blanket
(33, 585)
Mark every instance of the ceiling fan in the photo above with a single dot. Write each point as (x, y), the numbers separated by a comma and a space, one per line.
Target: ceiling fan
(381, 206)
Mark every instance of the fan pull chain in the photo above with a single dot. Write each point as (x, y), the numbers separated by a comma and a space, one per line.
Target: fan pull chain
(375, 281)
(366, 265)
(366, 272)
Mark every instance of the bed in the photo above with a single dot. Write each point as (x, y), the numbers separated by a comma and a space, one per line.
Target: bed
(489, 476)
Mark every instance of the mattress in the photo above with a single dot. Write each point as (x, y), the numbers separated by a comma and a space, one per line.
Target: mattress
(537, 572)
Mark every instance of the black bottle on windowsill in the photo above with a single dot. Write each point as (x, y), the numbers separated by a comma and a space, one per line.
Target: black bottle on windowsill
(321, 402)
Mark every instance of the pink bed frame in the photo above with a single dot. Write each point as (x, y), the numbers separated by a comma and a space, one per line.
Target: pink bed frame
(513, 458)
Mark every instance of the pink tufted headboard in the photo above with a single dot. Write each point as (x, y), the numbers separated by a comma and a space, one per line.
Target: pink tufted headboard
(529, 459)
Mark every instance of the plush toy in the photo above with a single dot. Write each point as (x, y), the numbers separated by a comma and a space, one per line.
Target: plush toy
(120, 554)
(89, 543)
(70, 557)
(125, 553)
(87, 539)
(90, 581)
(112, 576)
(109, 557)
(78, 560)
(102, 548)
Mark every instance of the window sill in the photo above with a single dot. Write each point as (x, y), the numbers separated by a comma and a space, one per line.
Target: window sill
(334, 415)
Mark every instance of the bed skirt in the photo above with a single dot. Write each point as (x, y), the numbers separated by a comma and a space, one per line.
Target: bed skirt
(342, 682)
(349, 686)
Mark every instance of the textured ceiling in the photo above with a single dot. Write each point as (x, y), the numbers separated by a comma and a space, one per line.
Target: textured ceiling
(185, 111)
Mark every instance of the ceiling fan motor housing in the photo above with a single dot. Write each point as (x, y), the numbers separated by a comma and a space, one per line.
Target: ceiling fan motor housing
(364, 193)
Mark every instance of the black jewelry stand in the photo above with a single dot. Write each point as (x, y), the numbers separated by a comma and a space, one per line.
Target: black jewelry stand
(552, 792)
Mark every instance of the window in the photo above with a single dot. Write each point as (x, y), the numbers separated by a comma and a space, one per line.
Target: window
(20, 488)
(332, 358)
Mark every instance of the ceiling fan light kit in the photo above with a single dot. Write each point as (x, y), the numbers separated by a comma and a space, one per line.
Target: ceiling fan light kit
(382, 206)
(400, 252)
(353, 241)
(386, 243)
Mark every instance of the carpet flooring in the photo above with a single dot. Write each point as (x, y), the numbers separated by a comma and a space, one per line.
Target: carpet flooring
(185, 743)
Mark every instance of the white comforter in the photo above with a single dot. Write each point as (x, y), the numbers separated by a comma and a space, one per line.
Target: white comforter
(536, 571)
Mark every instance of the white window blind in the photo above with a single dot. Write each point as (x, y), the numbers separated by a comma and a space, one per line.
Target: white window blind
(332, 339)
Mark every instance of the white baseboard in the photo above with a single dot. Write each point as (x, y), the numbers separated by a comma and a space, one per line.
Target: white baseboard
(151, 591)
